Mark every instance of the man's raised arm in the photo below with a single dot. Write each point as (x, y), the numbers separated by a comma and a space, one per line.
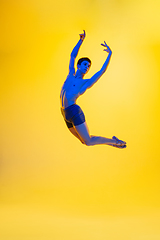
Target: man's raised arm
(105, 65)
(96, 76)
(75, 51)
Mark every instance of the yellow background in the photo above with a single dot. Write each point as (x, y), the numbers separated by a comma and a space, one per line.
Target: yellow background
(51, 186)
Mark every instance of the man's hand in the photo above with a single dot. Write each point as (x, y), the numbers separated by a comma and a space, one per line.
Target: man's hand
(83, 35)
(107, 47)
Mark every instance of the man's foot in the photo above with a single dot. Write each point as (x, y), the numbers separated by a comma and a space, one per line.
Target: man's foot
(121, 147)
(119, 143)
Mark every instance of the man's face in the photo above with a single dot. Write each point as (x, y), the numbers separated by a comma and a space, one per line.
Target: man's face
(84, 67)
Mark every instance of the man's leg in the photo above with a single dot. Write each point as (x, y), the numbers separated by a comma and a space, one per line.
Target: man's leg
(91, 140)
(74, 132)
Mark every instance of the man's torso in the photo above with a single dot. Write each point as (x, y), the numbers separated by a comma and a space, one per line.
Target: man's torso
(71, 90)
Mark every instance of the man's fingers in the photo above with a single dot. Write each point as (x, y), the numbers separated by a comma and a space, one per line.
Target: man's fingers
(107, 48)
(104, 45)
(82, 35)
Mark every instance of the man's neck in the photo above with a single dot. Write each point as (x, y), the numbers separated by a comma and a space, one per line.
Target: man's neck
(79, 75)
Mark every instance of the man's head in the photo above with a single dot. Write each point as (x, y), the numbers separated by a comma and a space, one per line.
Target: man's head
(84, 64)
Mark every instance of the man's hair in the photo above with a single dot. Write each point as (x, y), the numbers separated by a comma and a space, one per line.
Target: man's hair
(83, 59)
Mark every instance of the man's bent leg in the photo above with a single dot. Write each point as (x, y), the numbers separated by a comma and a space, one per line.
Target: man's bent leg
(91, 140)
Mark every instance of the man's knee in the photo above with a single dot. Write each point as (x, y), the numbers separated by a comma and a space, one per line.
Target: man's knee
(91, 141)
(88, 142)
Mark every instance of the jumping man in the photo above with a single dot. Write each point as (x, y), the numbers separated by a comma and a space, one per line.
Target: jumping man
(74, 86)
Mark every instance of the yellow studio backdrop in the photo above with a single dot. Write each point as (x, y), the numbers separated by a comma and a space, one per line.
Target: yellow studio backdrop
(51, 186)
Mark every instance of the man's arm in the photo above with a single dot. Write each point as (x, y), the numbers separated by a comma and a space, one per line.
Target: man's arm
(96, 76)
(74, 52)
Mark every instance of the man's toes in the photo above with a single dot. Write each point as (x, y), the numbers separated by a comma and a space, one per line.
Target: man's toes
(119, 141)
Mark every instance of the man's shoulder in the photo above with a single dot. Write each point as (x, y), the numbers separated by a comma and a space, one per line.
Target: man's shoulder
(71, 75)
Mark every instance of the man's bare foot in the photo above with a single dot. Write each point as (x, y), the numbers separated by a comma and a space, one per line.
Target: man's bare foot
(121, 147)
(119, 143)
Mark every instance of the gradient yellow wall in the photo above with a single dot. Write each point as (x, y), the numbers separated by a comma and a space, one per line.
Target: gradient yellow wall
(52, 186)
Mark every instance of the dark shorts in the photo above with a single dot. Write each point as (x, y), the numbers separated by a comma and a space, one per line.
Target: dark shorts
(73, 115)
